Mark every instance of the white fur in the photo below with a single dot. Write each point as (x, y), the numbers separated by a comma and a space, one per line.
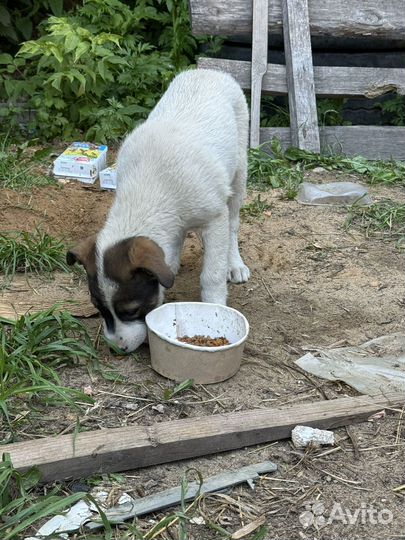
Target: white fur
(184, 169)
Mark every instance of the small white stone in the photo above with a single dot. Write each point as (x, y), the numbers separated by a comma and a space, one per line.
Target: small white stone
(198, 520)
(302, 436)
(158, 408)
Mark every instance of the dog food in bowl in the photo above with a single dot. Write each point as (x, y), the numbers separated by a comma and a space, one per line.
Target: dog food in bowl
(204, 341)
(178, 334)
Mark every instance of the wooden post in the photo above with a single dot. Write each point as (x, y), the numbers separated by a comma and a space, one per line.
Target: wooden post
(300, 75)
(259, 66)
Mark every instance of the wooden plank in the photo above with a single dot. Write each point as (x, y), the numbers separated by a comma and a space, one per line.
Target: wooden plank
(127, 448)
(371, 142)
(259, 66)
(337, 18)
(329, 81)
(300, 76)
(31, 293)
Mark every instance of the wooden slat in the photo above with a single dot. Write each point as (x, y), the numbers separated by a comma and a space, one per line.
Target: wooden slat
(300, 76)
(329, 81)
(259, 66)
(132, 447)
(31, 293)
(337, 18)
(371, 142)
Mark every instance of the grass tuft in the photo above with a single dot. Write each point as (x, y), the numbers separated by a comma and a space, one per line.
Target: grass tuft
(18, 171)
(20, 506)
(31, 252)
(385, 217)
(255, 209)
(286, 169)
(32, 348)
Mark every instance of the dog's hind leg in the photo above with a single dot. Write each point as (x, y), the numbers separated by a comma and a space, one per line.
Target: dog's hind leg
(215, 237)
(238, 272)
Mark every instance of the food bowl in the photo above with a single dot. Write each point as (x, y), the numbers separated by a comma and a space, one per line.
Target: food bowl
(179, 361)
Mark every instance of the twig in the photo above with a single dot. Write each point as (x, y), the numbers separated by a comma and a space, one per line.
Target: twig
(268, 291)
(344, 480)
(212, 395)
(399, 426)
(354, 442)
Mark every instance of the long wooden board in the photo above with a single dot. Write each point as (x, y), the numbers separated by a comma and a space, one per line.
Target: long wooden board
(141, 446)
(300, 76)
(371, 142)
(259, 66)
(337, 18)
(330, 81)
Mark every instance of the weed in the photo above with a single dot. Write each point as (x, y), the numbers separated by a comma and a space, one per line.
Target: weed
(16, 170)
(385, 217)
(179, 389)
(20, 508)
(32, 348)
(274, 171)
(256, 208)
(31, 252)
(286, 169)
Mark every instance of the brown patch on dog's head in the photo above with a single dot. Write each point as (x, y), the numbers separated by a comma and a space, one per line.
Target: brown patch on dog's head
(85, 254)
(138, 254)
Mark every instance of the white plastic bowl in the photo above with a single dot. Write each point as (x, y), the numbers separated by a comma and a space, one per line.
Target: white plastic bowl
(179, 361)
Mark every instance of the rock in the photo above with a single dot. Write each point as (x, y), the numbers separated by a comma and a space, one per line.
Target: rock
(302, 436)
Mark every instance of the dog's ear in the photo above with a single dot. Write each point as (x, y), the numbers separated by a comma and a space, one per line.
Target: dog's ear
(145, 254)
(122, 260)
(84, 253)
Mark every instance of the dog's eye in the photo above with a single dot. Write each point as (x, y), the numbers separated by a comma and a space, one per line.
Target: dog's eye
(128, 315)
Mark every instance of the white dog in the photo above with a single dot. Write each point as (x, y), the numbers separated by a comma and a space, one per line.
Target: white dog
(183, 169)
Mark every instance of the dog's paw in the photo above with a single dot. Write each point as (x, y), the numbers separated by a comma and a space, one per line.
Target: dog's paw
(238, 273)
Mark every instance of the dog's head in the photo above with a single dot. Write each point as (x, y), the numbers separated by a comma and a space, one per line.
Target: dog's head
(126, 282)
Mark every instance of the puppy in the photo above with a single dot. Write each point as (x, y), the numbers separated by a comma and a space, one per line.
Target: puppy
(183, 169)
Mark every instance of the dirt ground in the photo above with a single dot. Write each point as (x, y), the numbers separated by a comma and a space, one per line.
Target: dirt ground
(314, 284)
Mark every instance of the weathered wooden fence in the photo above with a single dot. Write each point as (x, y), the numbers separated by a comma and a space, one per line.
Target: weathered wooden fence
(299, 21)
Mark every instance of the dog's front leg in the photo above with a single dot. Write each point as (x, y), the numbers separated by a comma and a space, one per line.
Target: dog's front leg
(215, 265)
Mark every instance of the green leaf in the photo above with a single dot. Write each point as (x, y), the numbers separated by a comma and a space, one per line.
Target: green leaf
(24, 25)
(56, 79)
(182, 387)
(6, 58)
(71, 42)
(82, 48)
(56, 7)
(5, 18)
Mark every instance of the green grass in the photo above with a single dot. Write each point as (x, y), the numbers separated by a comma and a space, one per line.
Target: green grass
(21, 507)
(255, 209)
(32, 349)
(286, 170)
(31, 252)
(19, 171)
(386, 217)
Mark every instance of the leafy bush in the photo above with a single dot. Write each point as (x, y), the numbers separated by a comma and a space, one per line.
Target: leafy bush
(98, 70)
(18, 19)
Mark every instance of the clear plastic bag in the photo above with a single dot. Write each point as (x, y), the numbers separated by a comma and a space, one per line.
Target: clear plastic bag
(334, 193)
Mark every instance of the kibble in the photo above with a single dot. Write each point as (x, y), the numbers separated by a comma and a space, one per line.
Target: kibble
(204, 341)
